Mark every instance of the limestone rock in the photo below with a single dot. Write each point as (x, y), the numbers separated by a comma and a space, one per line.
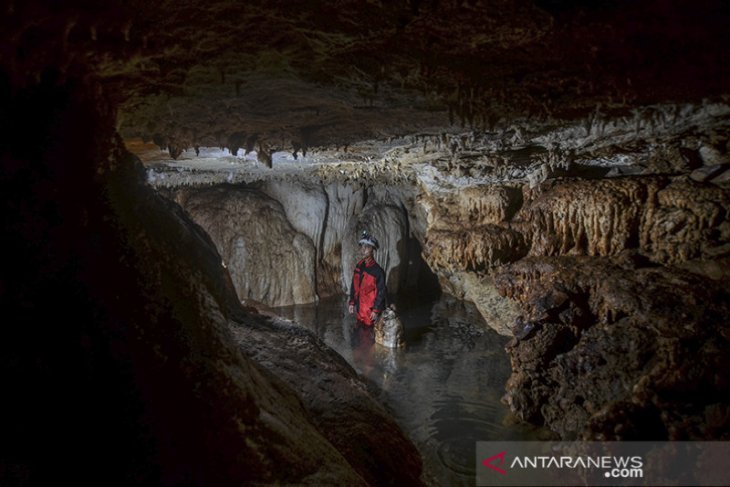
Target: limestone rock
(344, 203)
(473, 249)
(584, 217)
(672, 221)
(477, 206)
(668, 159)
(723, 178)
(339, 404)
(277, 263)
(709, 172)
(269, 261)
(389, 329)
(717, 269)
(619, 344)
(322, 213)
(305, 205)
(499, 313)
(468, 229)
(685, 221)
(712, 156)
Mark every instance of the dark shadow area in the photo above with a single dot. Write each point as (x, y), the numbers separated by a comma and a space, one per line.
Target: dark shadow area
(421, 284)
(71, 409)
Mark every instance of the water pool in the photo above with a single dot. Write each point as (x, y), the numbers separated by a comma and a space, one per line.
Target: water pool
(443, 388)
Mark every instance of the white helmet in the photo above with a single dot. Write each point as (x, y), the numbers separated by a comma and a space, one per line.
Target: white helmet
(367, 239)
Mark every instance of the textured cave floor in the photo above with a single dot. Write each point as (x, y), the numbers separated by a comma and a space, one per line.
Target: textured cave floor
(443, 389)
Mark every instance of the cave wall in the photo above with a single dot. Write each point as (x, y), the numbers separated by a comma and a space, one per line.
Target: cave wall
(122, 363)
(258, 245)
(291, 243)
(621, 349)
(617, 302)
(669, 220)
(612, 285)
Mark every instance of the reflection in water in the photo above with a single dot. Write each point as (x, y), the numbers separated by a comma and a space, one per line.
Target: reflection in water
(443, 388)
(362, 344)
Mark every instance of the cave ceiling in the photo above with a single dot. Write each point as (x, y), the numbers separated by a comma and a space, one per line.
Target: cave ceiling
(300, 74)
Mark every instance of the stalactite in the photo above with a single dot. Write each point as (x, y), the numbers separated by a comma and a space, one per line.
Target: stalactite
(174, 150)
(251, 143)
(235, 141)
(264, 155)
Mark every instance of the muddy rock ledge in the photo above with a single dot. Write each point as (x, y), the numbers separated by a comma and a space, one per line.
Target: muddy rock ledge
(611, 348)
(621, 314)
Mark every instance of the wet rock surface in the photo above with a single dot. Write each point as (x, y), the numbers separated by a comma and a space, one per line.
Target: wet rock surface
(303, 246)
(268, 259)
(618, 347)
(336, 400)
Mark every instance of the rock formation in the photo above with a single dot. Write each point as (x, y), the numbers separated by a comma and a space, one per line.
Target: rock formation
(267, 258)
(303, 244)
(340, 406)
(618, 346)
(621, 284)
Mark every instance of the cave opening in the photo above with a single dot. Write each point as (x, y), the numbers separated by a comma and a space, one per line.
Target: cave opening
(421, 283)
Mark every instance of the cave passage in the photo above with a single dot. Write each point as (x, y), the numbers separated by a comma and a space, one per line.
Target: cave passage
(443, 388)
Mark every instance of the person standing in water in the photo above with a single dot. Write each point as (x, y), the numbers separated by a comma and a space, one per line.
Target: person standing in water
(368, 291)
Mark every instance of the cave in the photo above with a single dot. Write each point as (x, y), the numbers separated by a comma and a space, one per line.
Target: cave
(177, 177)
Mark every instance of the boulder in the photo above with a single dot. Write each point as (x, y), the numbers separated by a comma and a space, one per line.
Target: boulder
(617, 347)
(389, 329)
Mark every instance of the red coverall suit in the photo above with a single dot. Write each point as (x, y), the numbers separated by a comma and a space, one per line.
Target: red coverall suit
(367, 292)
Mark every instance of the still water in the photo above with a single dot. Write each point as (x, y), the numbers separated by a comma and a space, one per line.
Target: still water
(443, 388)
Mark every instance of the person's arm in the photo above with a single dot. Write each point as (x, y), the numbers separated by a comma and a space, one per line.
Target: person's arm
(379, 304)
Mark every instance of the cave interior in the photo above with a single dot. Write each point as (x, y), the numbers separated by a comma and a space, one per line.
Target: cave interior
(562, 164)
